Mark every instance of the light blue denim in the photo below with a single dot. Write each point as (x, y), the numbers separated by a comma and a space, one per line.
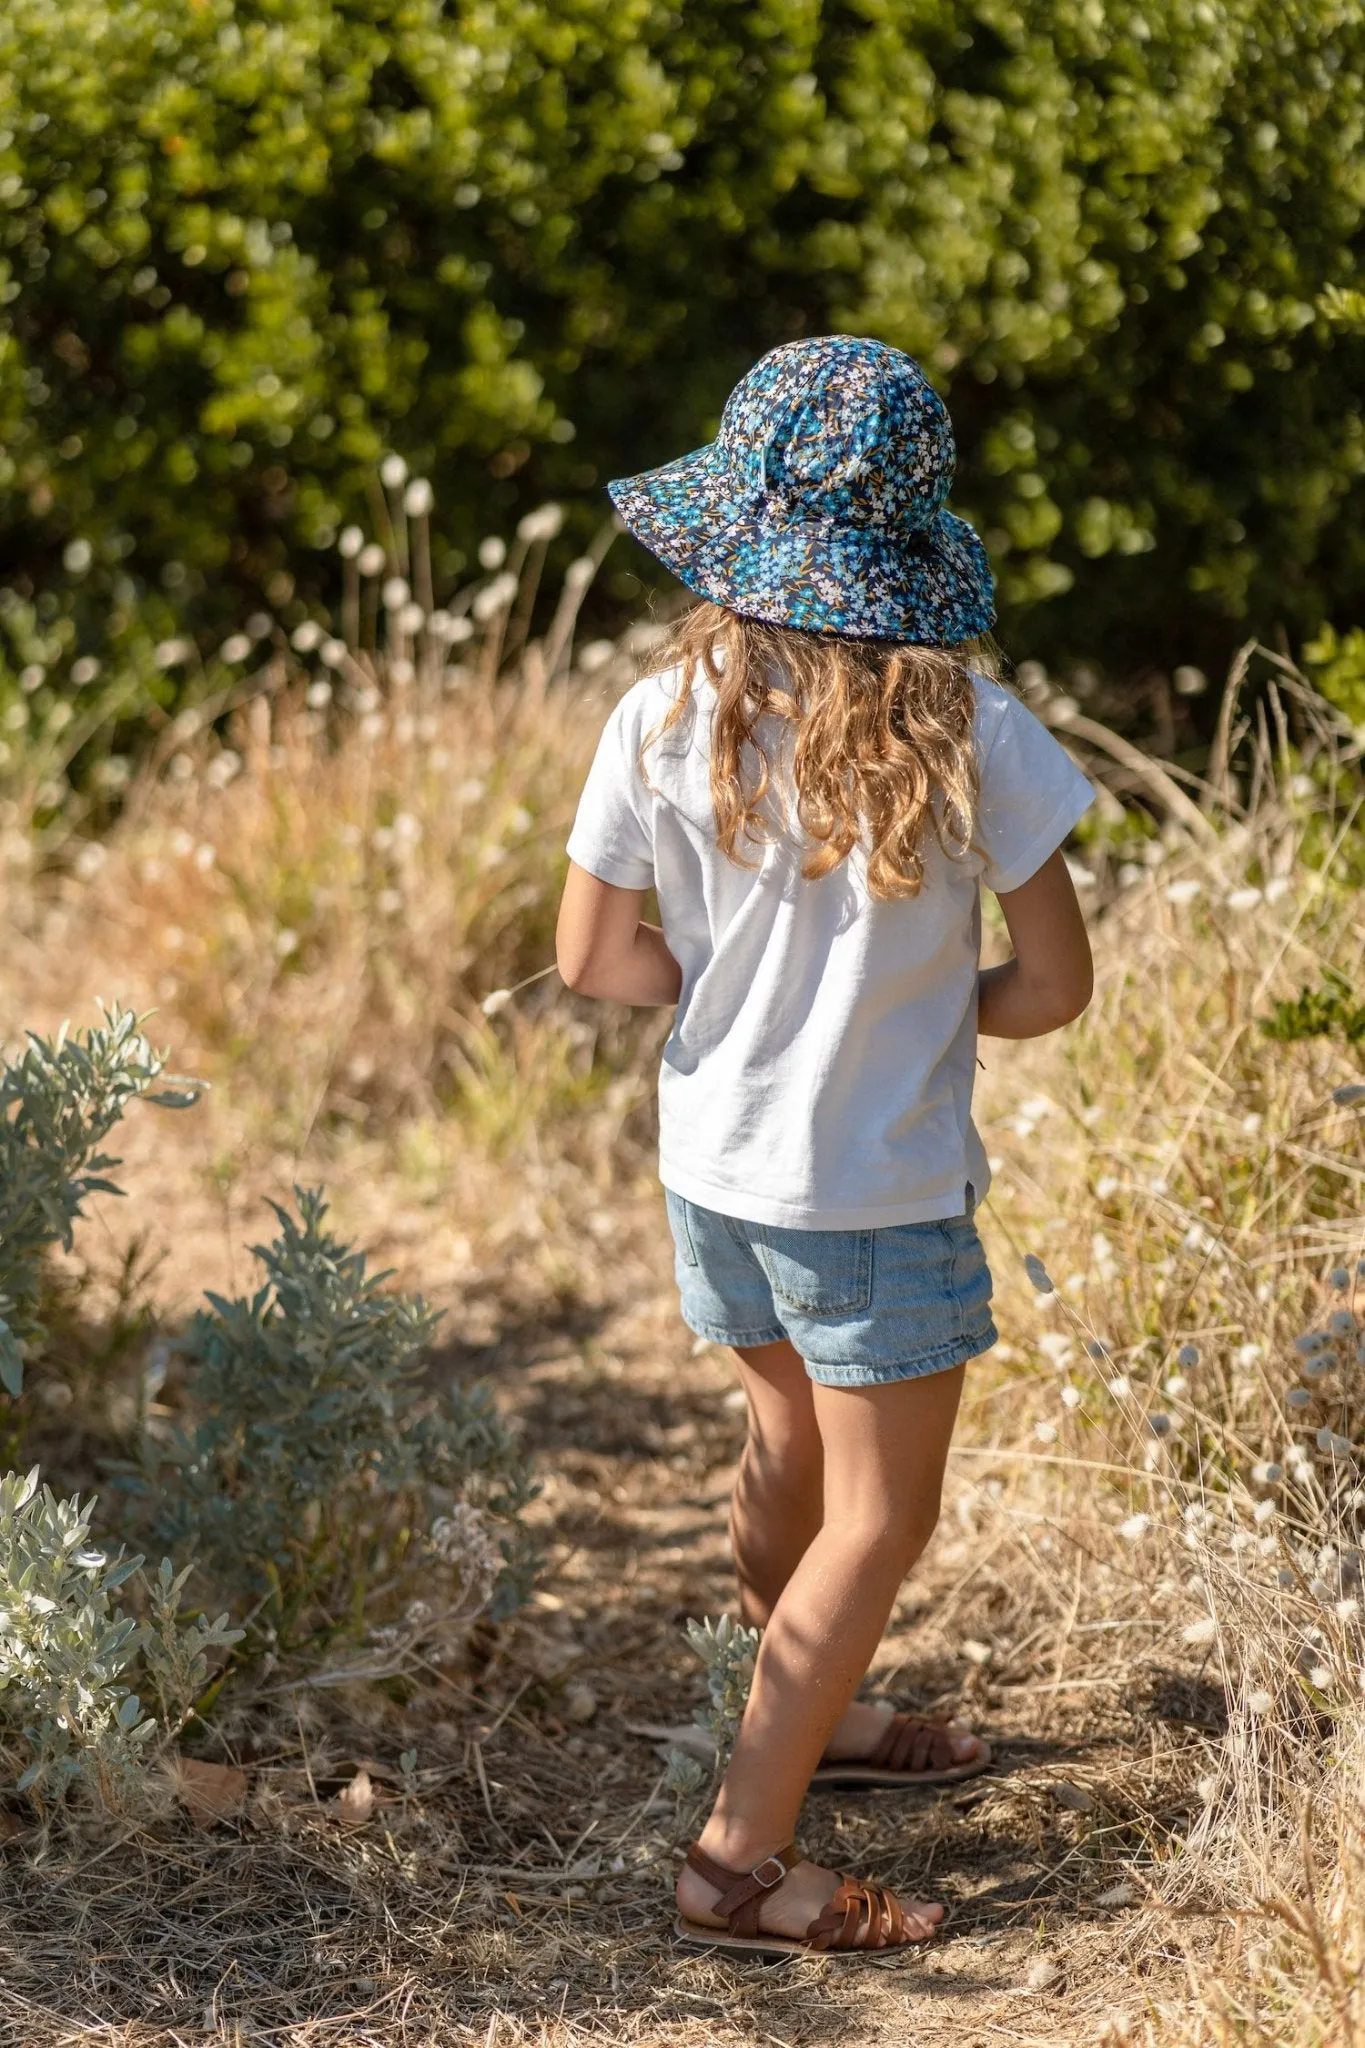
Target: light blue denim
(862, 1307)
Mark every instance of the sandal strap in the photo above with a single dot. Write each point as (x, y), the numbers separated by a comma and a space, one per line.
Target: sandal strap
(912, 1742)
(860, 1915)
(742, 1890)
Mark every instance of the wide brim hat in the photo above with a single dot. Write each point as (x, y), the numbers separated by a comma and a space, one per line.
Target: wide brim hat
(819, 505)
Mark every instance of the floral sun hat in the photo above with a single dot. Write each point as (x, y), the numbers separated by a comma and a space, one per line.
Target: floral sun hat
(820, 503)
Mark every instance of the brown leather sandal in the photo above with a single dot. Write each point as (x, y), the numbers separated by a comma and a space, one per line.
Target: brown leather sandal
(860, 1919)
(913, 1750)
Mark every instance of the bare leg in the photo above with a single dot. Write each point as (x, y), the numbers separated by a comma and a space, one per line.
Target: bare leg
(778, 1505)
(778, 1502)
(885, 1448)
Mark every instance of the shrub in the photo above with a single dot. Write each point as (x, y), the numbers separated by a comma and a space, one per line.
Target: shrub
(245, 249)
(312, 1473)
(68, 1653)
(317, 1476)
(59, 1100)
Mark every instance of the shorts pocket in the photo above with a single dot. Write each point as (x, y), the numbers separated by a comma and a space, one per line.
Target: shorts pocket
(816, 1272)
(677, 1219)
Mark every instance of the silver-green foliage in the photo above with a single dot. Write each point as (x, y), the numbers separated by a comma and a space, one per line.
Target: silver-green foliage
(70, 1657)
(320, 1464)
(59, 1100)
(729, 1651)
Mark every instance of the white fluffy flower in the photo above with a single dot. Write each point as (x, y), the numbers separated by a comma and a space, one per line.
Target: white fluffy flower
(542, 524)
(494, 597)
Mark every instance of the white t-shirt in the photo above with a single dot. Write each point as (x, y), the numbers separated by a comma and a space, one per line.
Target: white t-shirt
(819, 1071)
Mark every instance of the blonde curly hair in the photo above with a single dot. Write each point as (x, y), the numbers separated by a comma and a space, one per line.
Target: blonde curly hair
(883, 739)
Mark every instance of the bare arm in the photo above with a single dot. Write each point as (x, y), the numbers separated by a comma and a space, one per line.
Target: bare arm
(603, 949)
(1050, 979)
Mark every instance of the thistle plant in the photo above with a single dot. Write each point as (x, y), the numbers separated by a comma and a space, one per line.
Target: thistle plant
(59, 1100)
(321, 1476)
(69, 1655)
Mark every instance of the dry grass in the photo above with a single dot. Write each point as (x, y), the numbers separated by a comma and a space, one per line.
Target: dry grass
(1160, 1857)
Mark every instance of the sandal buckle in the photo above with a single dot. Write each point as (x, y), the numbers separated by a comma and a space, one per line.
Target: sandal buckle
(769, 1882)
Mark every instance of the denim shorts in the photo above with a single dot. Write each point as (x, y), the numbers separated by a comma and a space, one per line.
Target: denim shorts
(861, 1306)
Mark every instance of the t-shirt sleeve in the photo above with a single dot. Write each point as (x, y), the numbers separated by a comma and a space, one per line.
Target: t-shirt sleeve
(1032, 793)
(611, 834)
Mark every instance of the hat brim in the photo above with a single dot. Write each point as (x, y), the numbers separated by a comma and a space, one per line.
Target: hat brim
(931, 586)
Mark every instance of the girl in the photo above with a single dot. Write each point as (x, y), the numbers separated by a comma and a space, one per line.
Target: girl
(828, 706)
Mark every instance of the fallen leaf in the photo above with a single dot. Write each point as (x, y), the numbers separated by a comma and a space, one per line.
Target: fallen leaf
(354, 1803)
(208, 1792)
(10, 1826)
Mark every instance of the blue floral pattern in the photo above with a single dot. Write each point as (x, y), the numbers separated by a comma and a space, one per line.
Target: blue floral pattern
(820, 503)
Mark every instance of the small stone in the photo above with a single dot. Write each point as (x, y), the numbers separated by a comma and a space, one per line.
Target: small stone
(580, 1703)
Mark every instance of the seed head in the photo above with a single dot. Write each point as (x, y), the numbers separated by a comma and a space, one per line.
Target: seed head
(542, 524)
(1037, 1273)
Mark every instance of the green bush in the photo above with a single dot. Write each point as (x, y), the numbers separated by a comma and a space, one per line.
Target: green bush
(69, 1656)
(312, 1472)
(245, 247)
(59, 1100)
(315, 1468)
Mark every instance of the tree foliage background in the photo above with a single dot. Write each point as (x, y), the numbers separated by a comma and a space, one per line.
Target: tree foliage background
(247, 245)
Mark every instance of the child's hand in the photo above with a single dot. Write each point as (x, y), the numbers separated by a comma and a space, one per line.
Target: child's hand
(1050, 979)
